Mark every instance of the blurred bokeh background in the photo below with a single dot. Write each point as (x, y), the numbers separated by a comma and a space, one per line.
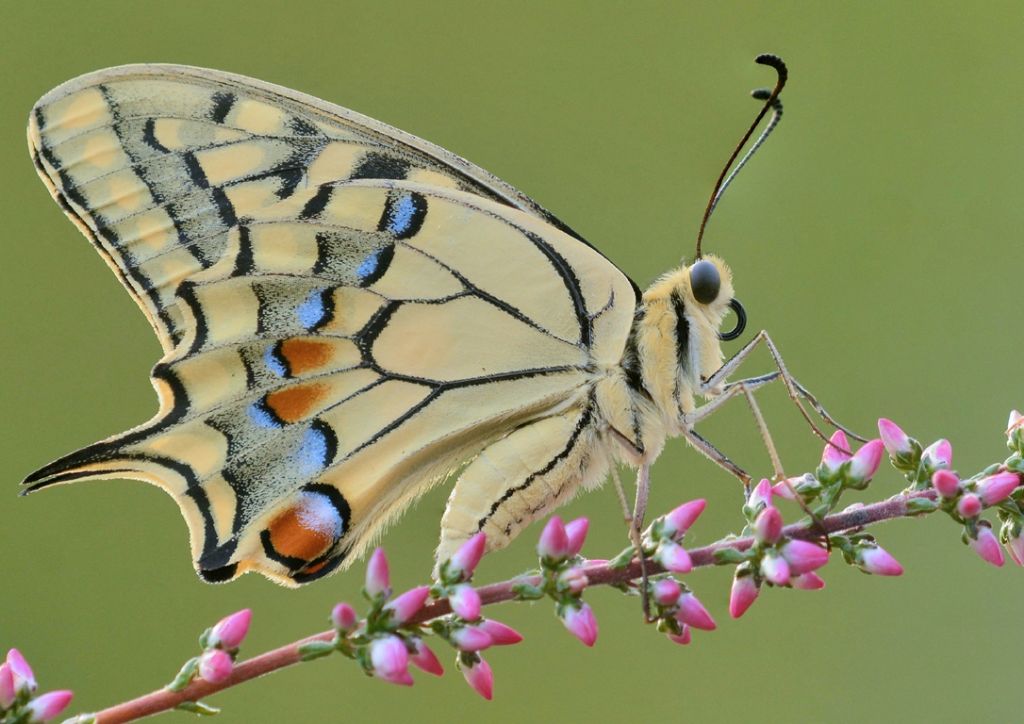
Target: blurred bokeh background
(877, 236)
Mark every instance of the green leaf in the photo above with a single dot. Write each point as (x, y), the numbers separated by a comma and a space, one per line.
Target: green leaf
(731, 556)
(623, 559)
(198, 707)
(316, 650)
(185, 676)
(918, 506)
(527, 591)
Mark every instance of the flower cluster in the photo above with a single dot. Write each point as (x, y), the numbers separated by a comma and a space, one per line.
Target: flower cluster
(18, 700)
(220, 645)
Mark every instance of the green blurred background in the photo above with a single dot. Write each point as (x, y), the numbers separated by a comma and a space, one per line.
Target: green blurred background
(877, 237)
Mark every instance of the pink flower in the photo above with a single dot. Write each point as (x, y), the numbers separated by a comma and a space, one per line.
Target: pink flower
(1015, 547)
(786, 489)
(692, 612)
(48, 706)
(681, 518)
(969, 506)
(946, 483)
(986, 546)
(215, 665)
(501, 635)
(390, 660)
(666, 592)
(895, 440)
(229, 632)
(425, 659)
(877, 560)
(775, 568)
(997, 488)
(576, 533)
(478, 675)
(581, 623)
(344, 617)
(744, 592)
(681, 638)
(466, 558)
(807, 582)
(554, 540)
(7, 692)
(673, 557)
(1016, 421)
(471, 638)
(864, 463)
(939, 454)
(465, 602)
(21, 673)
(834, 456)
(574, 579)
(768, 525)
(761, 495)
(803, 556)
(407, 605)
(378, 578)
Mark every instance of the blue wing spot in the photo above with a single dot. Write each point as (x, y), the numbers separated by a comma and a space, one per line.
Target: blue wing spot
(261, 418)
(368, 266)
(273, 362)
(401, 215)
(313, 452)
(312, 311)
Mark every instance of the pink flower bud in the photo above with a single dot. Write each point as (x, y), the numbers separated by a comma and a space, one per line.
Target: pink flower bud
(344, 617)
(576, 533)
(48, 706)
(877, 560)
(471, 638)
(479, 676)
(775, 568)
(501, 634)
(378, 578)
(21, 673)
(803, 556)
(7, 692)
(574, 579)
(1016, 420)
(895, 440)
(987, 546)
(673, 557)
(667, 591)
(390, 660)
(465, 602)
(407, 605)
(581, 623)
(833, 455)
(692, 612)
(946, 483)
(768, 525)
(786, 489)
(681, 518)
(864, 463)
(939, 454)
(466, 558)
(554, 541)
(969, 506)
(761, 495)
(807, 582)
(424, 659)
(215, 665)
(744, 592)
(230, 631)
(681, 638)
(1015, 547)
(997, 488)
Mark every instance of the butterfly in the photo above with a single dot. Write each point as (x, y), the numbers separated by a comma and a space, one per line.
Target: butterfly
(349, 315)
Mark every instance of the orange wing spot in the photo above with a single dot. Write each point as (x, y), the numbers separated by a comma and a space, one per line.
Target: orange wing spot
(294, 403)
(292, 536)
(310, 570)
(306, 355)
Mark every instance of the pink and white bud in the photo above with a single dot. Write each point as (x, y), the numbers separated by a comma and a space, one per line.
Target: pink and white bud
(787, 489)
(946, 483)
(390, 660)
(969, 506)
(215, 665)
(768, 525)
(803, 556)
(895, 440)
(673, 557)
(761, 495)
(378, 577)
(581, 623)
(807, 582)
(576, 532)
(996, 488)
(424, 658)
(465, 602)
(479, 676)
(682, 638)
(775, 568)
(7, 692)
(230, 631)
(466, 558)
(407, 605)
(554, 540)
(679, 520)
(743, 594)
(501, 634)
(836, 451)
(987, 546)
(1015, 547)
(1016, 421)
(939, 454)
(864, 463)
(666, 592)
(471, 638)
(877, 560)
(48, 706)
(344, 617)
(574, 579)
(21, 673)
(692, 612)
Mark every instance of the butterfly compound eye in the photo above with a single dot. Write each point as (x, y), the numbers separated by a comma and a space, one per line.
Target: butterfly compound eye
(705, 281)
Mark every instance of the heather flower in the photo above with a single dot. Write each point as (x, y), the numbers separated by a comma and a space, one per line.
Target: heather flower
(683, 637)
(404, 607)
(554, 540)
(877, 560)
(673, 557)
(21, 673)
(378, 577)
(390, 660)
(1013, 540)
(997, 488)
(229, 632)
(768, 525)
(896, 442)
(745, 590)
(424, 658)
(576, 533)
(215, 665)
(835, 453)
(775, 568)
(946, 483)
(803, 556)
(7, 692)
(574, 580)
(969, 506)
(938, 455)
(470, 638)
(478, 675)
(809, 581)
(581, 622)
(666, 592)
(466, 558)
(986, 546)
(344, 617)
(48, 706)
(465, 602)
(692, 612)
(501, 634)
(864, 463)
(760, 496)
(677, 522)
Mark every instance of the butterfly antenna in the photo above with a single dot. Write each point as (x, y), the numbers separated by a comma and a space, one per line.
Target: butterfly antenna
(771, 100)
